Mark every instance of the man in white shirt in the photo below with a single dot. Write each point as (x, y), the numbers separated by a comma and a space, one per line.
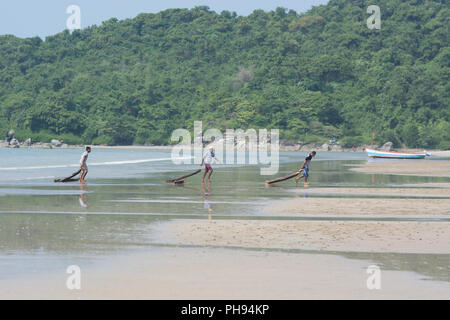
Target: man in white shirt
(83, 165)
(208, 157)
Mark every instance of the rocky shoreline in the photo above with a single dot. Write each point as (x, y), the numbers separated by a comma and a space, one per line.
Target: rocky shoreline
(326, 147)
(43, 145)
(299, 147)
(304, 147)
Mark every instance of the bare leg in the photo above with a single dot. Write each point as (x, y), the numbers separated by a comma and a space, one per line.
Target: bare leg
(83, 175)
(204, 175)
(209, 176)
(305, 183)
(298, 179)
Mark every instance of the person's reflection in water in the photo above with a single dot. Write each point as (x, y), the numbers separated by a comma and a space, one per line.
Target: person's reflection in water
(83, 196)
(206, 197)
(301, 195)
(305, 185)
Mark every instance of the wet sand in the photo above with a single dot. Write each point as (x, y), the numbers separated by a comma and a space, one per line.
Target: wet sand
(241, 259)
(428, 168)
(405, 192)
(428, 185)
(441, 153)
(207, 273)
(346, 236)
(362, 207)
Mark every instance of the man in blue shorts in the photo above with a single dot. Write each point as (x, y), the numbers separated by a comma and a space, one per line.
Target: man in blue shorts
(305, 167)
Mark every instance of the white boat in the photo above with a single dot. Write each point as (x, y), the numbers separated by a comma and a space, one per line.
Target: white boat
(394, 154)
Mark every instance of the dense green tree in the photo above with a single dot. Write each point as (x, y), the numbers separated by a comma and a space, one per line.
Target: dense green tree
(313, 75)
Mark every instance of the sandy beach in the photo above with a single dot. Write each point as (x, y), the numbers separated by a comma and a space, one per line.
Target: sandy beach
(363, 207)
(269, 243)
(356, 236)
(208, 273)
(382, 192)
(224, 154)
(424, 168)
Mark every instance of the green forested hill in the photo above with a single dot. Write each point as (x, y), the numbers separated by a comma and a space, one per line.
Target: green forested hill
(313, 75)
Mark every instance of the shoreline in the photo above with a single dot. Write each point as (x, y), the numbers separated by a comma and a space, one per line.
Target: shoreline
(422, 168)
(303, 148)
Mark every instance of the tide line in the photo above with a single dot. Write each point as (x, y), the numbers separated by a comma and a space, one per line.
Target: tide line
(92, 164)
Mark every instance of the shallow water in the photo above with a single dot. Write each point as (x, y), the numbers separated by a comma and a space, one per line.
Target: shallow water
(46, 226)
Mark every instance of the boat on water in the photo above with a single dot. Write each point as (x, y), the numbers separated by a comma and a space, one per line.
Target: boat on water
(394, 154)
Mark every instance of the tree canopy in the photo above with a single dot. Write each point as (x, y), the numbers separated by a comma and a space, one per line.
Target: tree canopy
(312, 75)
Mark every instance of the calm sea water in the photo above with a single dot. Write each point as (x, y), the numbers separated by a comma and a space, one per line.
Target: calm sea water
(45, 226)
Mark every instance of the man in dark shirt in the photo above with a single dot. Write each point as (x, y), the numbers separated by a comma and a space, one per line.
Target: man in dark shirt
(305, 167)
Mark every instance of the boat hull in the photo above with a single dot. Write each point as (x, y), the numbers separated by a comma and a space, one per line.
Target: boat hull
(394, 155)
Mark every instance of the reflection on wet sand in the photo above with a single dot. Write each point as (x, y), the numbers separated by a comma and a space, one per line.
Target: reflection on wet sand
(83, 196)
(207, 197)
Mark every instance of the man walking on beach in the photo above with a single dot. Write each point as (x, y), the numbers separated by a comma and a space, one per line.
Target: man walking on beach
(83, 165)
(207, 159)
(305, 167)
